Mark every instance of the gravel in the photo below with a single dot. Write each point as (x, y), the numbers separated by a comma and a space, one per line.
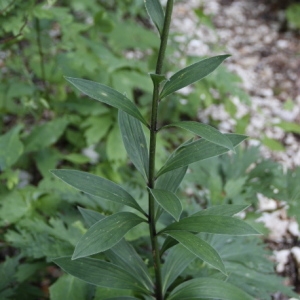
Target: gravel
(268, 61)
(265, 58)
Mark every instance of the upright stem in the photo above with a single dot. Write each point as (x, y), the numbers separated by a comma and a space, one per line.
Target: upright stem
(152, 151)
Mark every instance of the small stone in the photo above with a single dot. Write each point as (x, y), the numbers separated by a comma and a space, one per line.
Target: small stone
(281, 257)
(294, 228)
(282, 44)
(266, 204)
(91, 154)
(296, 254)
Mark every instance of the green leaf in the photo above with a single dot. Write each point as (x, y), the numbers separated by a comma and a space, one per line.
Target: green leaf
(35, 239)
(103, 21)
(115, 150)
(156, 13)
(125, 256)
(122, 254)
(168, 201)
(196, 151)
(11, 148)
(191, 74)
(96, 127)
(273, 144)
(177, 260)
(140, 38)
(170, 181)
(97, 186)
(248, 255)
(69, 288)
(107, 95)
(157, 78)
(213, 224)
(90, 216)
(47, 159)
(200, 248)
(76, 158)
(14, 207)
(8, 270)
(45, 135)
(289, 127)
(135, 142)
(199, 288)
(99, 273)
(105, 234)
(207, 132)
(234, 187)
(168, 243)
(222, 210)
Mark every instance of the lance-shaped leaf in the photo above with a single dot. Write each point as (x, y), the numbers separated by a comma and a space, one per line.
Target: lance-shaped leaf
(100, 273)
(197, 151)
(222, 210)
(125, 256)
(199, 247)
(90, 216)
(68, 287)
(107, 95)
(191, 74)
(170, 181)
(11, 147)
(168, 201)
(105, 234)
(200, 288)
(168, 243)
(122, 254)
(135, 142)
(156, 13)
(97, 186)
(213, 224)
(207, 132)
(177, 260)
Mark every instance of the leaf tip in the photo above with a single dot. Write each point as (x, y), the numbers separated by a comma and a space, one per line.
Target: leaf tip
(256, 232)
(75, 256)
(68, 78)
(53, 171)
(225, 56)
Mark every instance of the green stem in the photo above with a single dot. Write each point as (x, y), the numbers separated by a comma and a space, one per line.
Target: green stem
(41, 54)
(152, 151)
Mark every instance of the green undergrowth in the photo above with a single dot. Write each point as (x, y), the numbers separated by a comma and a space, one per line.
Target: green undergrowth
(48, 124)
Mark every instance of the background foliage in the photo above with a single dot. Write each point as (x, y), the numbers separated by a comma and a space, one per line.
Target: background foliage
(45, 125)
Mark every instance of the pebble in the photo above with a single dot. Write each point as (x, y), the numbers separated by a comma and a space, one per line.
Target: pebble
(265, 59)
(281, 258)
